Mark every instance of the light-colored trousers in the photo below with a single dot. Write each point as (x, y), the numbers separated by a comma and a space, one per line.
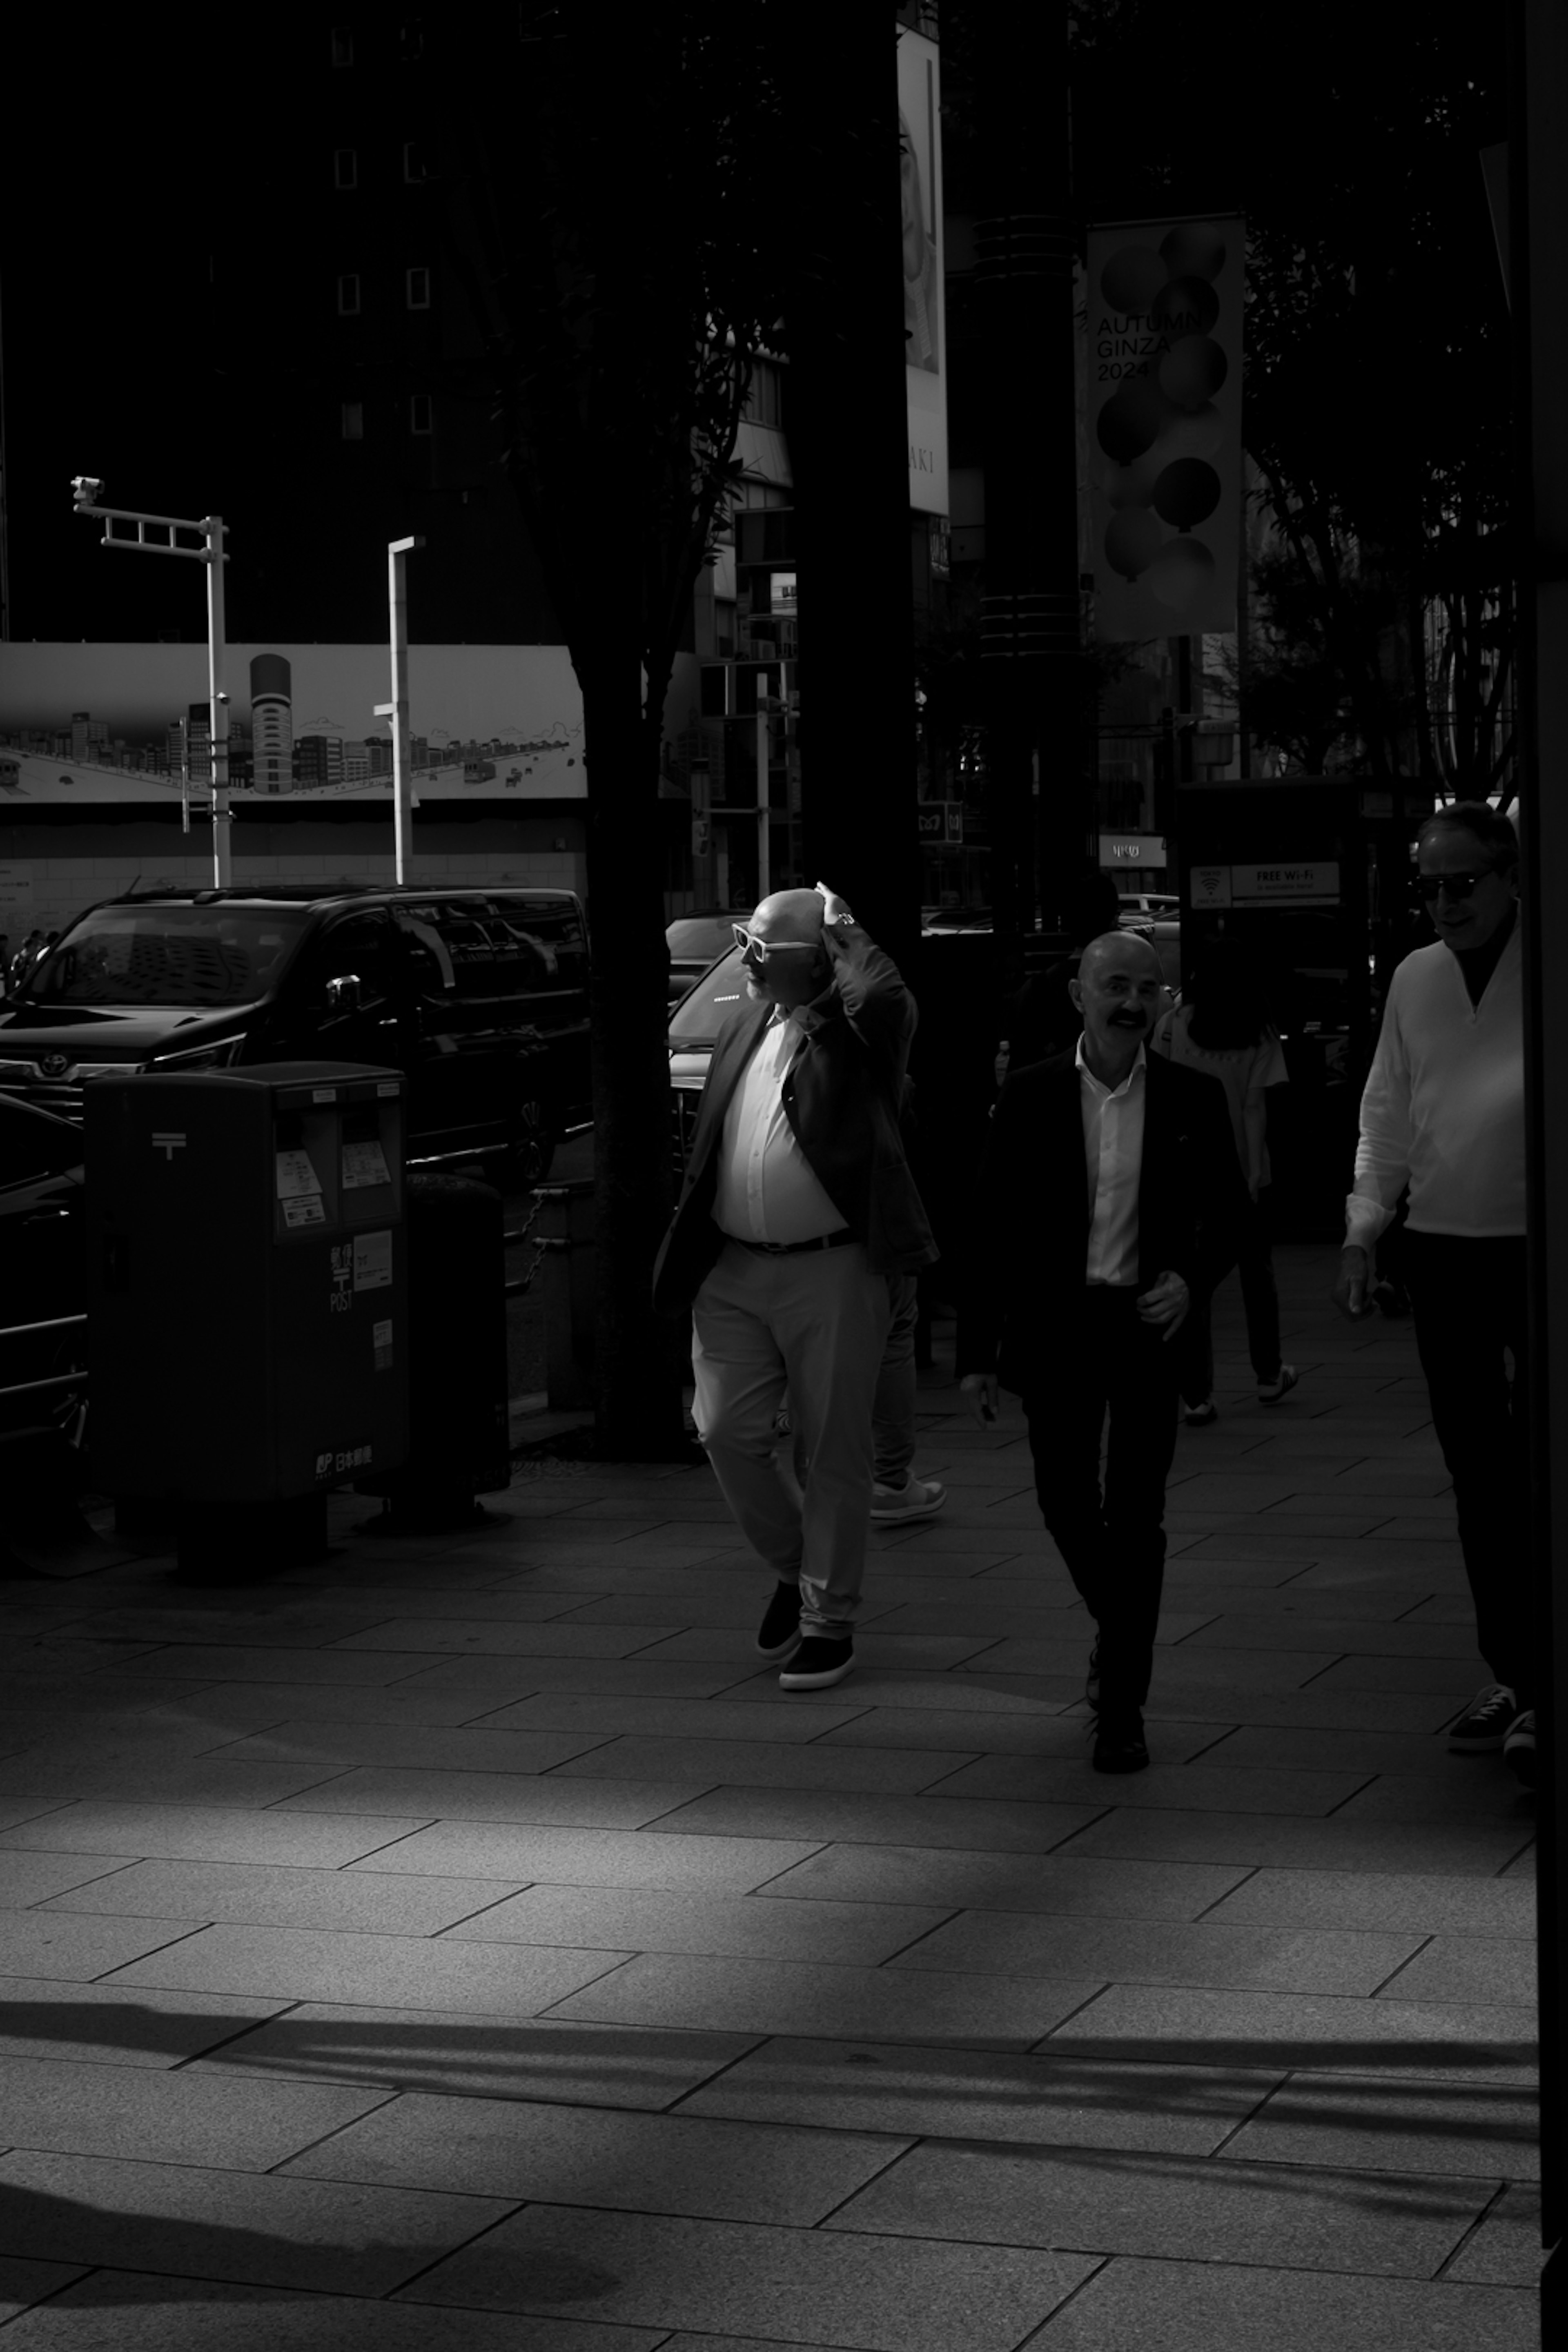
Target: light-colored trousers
(816, 1324)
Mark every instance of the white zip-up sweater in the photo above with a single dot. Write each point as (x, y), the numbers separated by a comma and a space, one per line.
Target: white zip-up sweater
(1443, 1108)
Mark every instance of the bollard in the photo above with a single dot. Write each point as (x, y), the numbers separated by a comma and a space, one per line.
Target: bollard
(567, 1271)
(459, 1435)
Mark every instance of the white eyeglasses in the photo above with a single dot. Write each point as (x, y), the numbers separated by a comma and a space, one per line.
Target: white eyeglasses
(750, 944)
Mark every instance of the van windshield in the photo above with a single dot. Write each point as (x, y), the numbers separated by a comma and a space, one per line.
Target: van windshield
(717, 997)
(220, 954)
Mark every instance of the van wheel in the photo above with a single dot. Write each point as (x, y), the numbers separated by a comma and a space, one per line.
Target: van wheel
(535, 1148)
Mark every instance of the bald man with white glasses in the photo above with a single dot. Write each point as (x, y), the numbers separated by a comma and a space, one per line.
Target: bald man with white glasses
(797, 1207)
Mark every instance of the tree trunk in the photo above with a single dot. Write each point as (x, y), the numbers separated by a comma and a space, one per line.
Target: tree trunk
(637, 1368)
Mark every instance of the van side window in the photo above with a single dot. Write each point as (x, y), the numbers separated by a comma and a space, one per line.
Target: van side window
(425, 956)
(359, 943)
(548, 931)
(32, 1145)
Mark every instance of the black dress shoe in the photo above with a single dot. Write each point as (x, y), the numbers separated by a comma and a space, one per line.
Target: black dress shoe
(1119, 1744)
(778, 1636)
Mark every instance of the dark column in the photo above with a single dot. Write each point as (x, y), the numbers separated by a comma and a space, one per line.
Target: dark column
(1538, 176)
(849, 455)
(1031, 658)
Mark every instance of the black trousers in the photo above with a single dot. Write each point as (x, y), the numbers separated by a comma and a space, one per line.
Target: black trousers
(1109, 1366)
(1470, 1302)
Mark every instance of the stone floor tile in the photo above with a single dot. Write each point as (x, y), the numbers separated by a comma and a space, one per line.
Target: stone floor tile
(1454, 1677)
(203, 1780)
(1187, 1786)
(1314, 1709)
(496, 1682)
(566, 1857)
(1083, 1889)
(202, 2223)
(125, 2311)
(675, 1718)
(268, 1895)
(23, 2283)
(498, 1797)
(479, 2057)
(1200, 2306)
(164, 2116)
(1470, 1967)
(1134, 1951)
(430, 1636)
(752, 1763)
(210, 1834)
(822, 1816)
(1036, 1735)
(27, 1878)
(1264, 1839)
(1108, 2201)
(98, 2024)
(1364, 1637)
(935, 1652)
(723, 2171)
(1476, 2042)
(946, 2094)
(1038, 1696)
(1364, 1750)
(719, 2276)
(1427, 1905)
(408, 1747)
(1409, 2126)
(245, 1707)
(739, 1996)
(16, 1812)
(1447, 1792)
(221, 1664)
(404, 1971)
(1506, 2251)
(49, 1945)
(742, 1926)
(275, 1622)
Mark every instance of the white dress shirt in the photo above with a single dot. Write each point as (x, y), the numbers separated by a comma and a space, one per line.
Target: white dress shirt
(1443, 1108)
(766, 1189)
(1113, 1153)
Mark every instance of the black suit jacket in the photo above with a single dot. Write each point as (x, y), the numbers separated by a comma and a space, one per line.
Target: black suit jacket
(1035, 1208)
(842, 1099)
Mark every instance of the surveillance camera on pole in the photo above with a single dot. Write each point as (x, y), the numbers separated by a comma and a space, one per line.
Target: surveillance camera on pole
(86, 490)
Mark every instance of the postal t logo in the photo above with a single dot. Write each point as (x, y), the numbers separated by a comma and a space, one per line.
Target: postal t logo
(168, 1145)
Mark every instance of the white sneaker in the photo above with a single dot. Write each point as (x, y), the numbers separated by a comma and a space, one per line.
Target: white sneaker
(917, 1498)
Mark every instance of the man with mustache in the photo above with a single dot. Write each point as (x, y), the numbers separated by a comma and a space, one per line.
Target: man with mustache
(797, 1213)
(1110, 1192)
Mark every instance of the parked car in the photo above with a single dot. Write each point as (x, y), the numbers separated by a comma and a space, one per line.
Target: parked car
(694, 941)
(480, 996)
(41, 1270)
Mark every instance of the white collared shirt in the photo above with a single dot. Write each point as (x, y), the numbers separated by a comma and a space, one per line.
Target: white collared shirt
(766, 1190)
(1113, 1153)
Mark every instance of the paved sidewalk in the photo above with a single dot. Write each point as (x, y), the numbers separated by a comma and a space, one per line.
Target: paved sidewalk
(463, 1944)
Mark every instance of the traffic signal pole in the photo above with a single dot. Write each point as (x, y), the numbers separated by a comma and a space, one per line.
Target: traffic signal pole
(87, 491)
(397, 551)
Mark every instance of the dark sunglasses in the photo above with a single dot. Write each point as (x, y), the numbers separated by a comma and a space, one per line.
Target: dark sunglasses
(1450, 885)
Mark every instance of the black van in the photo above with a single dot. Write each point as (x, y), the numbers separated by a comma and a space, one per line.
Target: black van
(480, 996)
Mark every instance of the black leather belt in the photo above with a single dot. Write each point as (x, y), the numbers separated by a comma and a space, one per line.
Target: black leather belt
(792, 1249)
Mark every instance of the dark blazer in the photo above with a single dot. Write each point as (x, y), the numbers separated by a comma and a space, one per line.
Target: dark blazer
(842, 1099)
(1035, 1207)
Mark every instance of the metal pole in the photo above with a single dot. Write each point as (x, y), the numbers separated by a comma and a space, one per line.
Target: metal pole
(218, 700)
(397, 709)
(765, 881)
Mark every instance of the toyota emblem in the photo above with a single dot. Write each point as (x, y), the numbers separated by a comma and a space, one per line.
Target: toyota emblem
(53, 1065)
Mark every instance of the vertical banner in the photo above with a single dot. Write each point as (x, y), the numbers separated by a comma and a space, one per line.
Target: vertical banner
(925, 304)
(1163, 410)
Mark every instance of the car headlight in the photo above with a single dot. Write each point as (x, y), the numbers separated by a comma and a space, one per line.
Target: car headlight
(201, 1057)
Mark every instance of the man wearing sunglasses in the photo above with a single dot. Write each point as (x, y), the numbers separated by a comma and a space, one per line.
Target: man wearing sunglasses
(797, 1207)
(1442, 1111)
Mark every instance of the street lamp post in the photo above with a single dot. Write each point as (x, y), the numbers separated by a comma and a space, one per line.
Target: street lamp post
(397, 551)
(88, 491)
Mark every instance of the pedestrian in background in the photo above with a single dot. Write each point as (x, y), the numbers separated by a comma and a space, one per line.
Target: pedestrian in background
(1442, 1111)
(796, 1207)
(1219, 1028)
